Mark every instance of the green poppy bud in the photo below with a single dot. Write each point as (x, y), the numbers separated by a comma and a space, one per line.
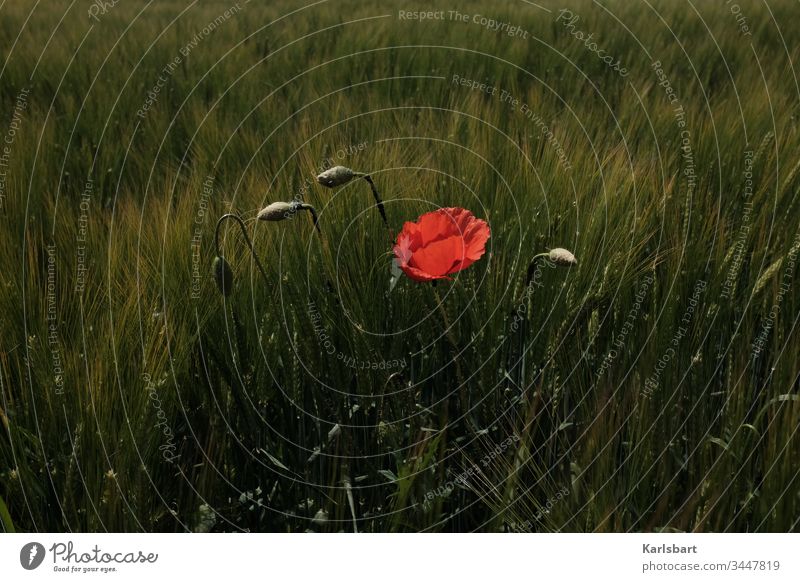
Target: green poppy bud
(223, 275)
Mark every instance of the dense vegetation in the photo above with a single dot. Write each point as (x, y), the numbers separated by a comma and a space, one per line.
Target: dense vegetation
(654, 386)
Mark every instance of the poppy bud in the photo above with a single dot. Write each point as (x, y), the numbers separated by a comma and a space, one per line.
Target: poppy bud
(223, 276)
(339, 175)
(336, 176)
(276, 211)
(282, 210)
(562, 257)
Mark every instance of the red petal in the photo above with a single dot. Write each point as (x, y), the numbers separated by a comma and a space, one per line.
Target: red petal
(438, 258)
(475, 236)
(475, 239)
(420, 276)
(435, 226)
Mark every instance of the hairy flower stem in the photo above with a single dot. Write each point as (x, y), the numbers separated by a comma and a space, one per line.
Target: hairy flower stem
(236, 218)
(532, 267)
(462, 387)
(378, 200)
(314, 216)
(518, 316)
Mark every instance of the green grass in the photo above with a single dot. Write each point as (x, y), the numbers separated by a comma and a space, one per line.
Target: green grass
(246, 388)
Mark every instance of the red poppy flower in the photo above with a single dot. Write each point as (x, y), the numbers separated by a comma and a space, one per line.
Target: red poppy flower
(441, 243)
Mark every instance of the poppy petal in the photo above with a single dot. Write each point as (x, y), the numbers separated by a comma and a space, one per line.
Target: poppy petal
(475, 239)
(435, 226)
(421, 276)
(438, 258)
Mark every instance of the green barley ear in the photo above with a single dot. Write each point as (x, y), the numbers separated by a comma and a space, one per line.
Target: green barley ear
(562, 258)
(223, 275)
(768, 273)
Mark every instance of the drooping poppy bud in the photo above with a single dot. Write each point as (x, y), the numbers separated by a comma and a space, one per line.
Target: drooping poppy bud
(558, 256)
(283, 210)
(223, 275)
(337, 176)
(277, 211)
(562, 257)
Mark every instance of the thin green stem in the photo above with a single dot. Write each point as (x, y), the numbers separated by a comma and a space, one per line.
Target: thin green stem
(449, 332)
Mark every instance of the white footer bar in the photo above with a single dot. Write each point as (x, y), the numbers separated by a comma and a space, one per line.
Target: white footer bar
(401, 557)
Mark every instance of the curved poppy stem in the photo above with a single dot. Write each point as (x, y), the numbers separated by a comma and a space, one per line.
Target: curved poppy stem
(532, 267)
(529, 276)
(313, 212)
(519, 315)
(526, 291)
(377, 197)
(241, 224)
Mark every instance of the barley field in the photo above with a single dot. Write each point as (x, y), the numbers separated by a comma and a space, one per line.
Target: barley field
(308, 383)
